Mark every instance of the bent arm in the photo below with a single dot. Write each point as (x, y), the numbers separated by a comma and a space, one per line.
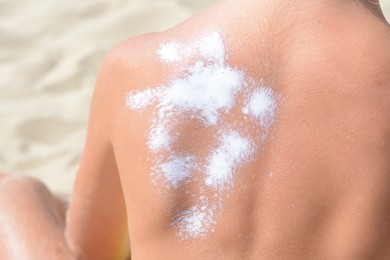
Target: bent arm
(96, 220)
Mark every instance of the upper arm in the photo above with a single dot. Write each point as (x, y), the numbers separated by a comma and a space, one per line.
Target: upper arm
(96, 220)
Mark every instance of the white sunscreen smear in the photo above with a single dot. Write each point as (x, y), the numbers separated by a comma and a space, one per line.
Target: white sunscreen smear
(195, 221)
(205, 89)
(159, 137)
(140, 100)
(261, 105)
(177, 169)
(169, 52)
(233, 150)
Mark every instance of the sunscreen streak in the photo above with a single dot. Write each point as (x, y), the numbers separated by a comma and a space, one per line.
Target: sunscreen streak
(233, 150)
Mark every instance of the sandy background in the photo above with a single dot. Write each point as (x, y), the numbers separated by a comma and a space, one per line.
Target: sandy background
(50, 52)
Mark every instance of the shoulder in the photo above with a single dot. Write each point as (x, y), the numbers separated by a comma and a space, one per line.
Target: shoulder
(123, 69)
(126, 65)
(126, 58)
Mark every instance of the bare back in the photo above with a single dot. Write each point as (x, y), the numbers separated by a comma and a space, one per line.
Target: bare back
(264, 136)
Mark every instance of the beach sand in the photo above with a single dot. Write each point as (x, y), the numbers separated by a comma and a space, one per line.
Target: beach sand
(50, 52)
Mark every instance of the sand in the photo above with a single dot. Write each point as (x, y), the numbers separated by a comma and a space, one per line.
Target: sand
(50, 52)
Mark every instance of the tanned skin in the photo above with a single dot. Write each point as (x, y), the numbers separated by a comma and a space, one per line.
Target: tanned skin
(328, 150)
